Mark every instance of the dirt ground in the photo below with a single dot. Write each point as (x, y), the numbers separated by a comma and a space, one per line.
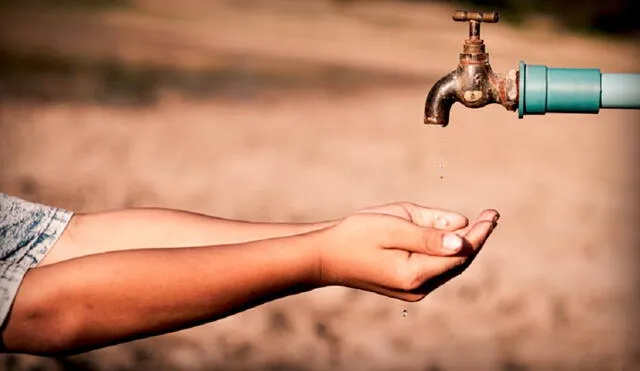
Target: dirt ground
(555, 289)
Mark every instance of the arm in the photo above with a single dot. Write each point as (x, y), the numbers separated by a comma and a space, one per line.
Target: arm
(101, 299)
(161, 228)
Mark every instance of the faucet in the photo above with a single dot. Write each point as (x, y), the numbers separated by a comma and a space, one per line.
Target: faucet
(532, 89)
(473, 83)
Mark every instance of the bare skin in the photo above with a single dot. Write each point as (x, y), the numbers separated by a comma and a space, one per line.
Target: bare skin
(118, 276)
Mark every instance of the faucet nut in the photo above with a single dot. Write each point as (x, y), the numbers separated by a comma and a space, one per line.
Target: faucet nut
(512, 85)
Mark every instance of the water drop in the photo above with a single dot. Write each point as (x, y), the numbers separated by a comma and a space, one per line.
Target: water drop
(404, 313)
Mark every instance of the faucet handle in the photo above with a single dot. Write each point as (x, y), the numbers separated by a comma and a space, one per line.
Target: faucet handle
(487, 17)
(474, 19)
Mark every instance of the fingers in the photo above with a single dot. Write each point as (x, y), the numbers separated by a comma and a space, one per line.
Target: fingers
(478, 232)
(474, 239)
(435, 218)
(414, 238)
(487, 214)
(436, 242)
(431, 272)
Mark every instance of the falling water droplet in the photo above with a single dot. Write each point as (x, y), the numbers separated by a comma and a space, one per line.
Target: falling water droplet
(404, 313)
(441, 167)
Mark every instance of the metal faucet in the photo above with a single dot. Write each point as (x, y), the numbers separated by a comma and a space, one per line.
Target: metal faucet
(473, 83)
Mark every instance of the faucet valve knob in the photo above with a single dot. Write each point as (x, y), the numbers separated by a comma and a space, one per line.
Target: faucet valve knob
(474, 19)
(487, 17)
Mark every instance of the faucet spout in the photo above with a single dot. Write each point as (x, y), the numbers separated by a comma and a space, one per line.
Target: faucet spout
(440, 99)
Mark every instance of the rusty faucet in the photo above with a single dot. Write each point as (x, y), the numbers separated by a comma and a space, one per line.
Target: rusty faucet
(531, 90)
(473, 83)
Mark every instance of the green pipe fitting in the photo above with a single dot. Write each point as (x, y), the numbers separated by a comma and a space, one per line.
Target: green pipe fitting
(574, 90)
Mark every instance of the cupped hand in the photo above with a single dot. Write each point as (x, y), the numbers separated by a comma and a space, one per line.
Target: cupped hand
(401, 250)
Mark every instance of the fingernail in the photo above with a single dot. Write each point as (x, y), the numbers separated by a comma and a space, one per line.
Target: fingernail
(452, 242)
(441, 222)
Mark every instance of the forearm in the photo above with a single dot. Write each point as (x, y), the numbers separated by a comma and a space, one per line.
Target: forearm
(161, 228)
(108, 298)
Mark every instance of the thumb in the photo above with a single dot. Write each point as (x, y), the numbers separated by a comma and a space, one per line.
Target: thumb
(423, 240)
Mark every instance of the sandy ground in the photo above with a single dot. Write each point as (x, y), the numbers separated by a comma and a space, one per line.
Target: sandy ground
(556, 287)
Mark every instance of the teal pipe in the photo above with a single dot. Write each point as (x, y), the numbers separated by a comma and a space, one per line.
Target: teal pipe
(620, 90)
(574, 90)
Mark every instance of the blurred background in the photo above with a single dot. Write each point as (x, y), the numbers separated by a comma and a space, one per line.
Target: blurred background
(307, 110)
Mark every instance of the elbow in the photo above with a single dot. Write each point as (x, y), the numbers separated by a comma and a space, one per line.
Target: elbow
(42, 322)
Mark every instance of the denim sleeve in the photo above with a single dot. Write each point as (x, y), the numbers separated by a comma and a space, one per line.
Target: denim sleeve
(27, 233)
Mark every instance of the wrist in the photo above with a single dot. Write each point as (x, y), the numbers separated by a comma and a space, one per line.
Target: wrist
(314, 246)
(311, 246)
(323, 245)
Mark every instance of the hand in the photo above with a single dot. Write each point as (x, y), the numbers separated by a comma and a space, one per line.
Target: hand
(401, 250)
